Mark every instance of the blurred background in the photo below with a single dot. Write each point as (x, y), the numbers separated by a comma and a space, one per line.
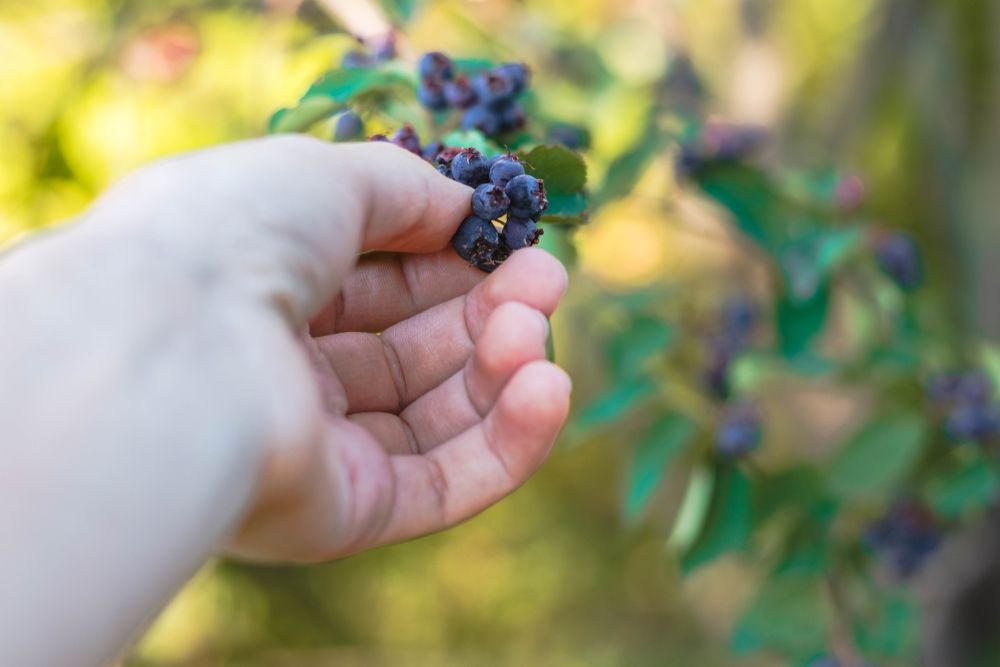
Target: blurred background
(903, 92)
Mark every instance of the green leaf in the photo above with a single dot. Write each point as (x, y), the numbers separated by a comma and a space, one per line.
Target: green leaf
(970, 488)
(798, 324)
(809, 262)
(788, 614)
(472, 65)
(343, 85)
(563, 170)
(878, 457)
(469, 139)
(627, 168)
(566, 209)
(667, 438)
(749, 196)
(402, 9)
(891, 631)
(303, 116)
(616, 403)
(642, 338)
(729, 521)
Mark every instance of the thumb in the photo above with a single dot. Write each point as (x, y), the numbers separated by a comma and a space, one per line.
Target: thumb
(285, 217)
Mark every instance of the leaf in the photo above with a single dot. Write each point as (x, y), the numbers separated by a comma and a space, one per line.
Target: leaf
(788, 613)
(809, 262)
(303, 116)
(566, 209)
(630, 349)
(469, 139)
(627, 168)
(749, 196)
(878, 457)
(798, 324)
(616, 403)
(694, 508)
(972, 487)
(729, 521)
(892, 630)
(343, 85)
(563, 170)
(472, 65)
(667, 438)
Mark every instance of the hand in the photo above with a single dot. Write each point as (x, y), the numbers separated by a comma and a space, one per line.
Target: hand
(196, 364)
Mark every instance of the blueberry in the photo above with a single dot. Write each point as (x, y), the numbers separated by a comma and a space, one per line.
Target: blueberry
(470, 167)
(431, 151)
(503, 168)
(512, 117)
(520, 233)
(490, 202)
(356, 60)
(460, 93)
(739, 431)
(493, 89)
(349, 126)
(406, 137)
(898, 257)
(974, 386)
(477, 242)
(430, 94)
(527, 197)
(905, 537)
(517, 73)
(483, 119)
(972, 422)
(437, 66)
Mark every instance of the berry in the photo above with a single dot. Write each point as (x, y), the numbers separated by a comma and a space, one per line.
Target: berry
(493, 88)
(974, 386)
(430, 94)
(898, 257)
(490, 202)
(356, 60)
(520, 233)
(905, 537)
(731, 143)
(378, 137)
(349, 126)
(431, 151)
(527, 197)
(739, 431)
(503, 168)
(384, 47)
(972, 422)
(518, 74)
(739, 315)
(436, 66)
(512, 117)
(470, 167)
(483, 119)
(406, 137)
(477, 242)
(460, 93)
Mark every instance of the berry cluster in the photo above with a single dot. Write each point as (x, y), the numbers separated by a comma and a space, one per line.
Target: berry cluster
(898, 257)
(719, 143)
(739, 431)
(488, 100)
(738, 318)
(971, 413)
(905, 537)
(503, 195)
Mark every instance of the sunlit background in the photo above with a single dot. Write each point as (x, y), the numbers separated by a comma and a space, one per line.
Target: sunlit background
(903, 92)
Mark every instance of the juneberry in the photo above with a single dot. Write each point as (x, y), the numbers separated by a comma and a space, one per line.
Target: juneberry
(483, 119)
(378, 137)
(471, 168)
(905, 537)
(511, 117)
(972, 422)
(356, 60)
(477, 242)
(503, 168)
(517, 73)
(493, 88)
(460, 93)
(431, 151)
(349, 126)
(898, 257)
(739, 431)
(527, 197)
(406, 137)
(431, 94)
(436, 66)
(520, 233)
(490, 202)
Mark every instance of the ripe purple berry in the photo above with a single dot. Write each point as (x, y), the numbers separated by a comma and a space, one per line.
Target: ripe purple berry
(470, 167)
(905, 537)
(493, 88)
(512, 117)
(520, 233)
(430, 94)
(490, 202)
(349, 126)
(503, 168)
(739, 431)
(518, 74)
(477, 242)
(527, 197)
(460, 93)
(437, 66)
(406, 137)
(483, 119)
(898, 257)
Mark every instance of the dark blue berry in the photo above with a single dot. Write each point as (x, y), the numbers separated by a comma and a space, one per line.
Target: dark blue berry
(356, 60)
(378, 137)
(490, 202)
(905, 537)
(512, 117)
(972, 422)
(432, 150)
(406, 137)
(430, 93)
(384, 47)
(460, 93)
(349, 126)
(470, 167)
(437, 66)
(518, 74)
(483, 119)
(493, 89)
(527, 197)
(477, 242)
(898, 257)
(520, 233)
(974, 386)
(503, 168)
(739, 431)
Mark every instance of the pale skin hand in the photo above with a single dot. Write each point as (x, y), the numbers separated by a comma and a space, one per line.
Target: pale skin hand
(161, 399)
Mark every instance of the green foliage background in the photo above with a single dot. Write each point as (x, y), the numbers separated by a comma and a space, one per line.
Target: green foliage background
(630, 547)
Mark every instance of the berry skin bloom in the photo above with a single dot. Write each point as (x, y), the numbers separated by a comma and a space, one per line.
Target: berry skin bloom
(436, 66)
(739, 431)
(503, 168)
(490, 202)
(898, 257)
(406, 137)
(520, 233)
(527, 197)
(470, 168)
(349, 126)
